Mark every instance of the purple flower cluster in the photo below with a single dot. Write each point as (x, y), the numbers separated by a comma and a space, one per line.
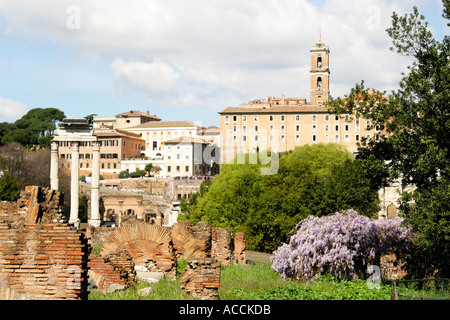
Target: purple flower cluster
(343, 243)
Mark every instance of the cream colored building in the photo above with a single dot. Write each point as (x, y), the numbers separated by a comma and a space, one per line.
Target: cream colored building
(183, 157)
(156, 132)
(281, 124)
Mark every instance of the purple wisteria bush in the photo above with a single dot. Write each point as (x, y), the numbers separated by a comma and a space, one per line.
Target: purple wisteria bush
(343, 244)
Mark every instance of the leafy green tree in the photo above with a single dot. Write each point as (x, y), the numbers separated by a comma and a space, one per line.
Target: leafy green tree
(267, 207)
(36, 127)
(9, 187)
(415, 139)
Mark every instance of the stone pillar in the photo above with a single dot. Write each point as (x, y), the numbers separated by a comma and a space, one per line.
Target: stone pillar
(54, 165)
(95, 186)
(74, 200)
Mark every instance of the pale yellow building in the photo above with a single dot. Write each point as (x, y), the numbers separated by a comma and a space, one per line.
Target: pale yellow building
(281, 124)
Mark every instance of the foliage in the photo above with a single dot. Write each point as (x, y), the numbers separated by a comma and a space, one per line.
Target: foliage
(164, 289)
(260, 282)
(124, 174)
(137, 174)
(36, 127)
(415, 142)
(9, 187)
(318, 179)
(343, 244)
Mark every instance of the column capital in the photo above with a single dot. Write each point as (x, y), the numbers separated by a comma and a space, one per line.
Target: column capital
(74, 145)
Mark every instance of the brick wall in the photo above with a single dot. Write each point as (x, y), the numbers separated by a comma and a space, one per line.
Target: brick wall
(201, 279)
(40, 256)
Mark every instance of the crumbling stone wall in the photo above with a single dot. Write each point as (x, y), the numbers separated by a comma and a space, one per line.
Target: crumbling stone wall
(115, 269)
(201, 279)
(41, 257)
(222, 245)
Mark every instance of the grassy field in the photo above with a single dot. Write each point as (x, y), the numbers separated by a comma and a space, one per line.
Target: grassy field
(258, 282)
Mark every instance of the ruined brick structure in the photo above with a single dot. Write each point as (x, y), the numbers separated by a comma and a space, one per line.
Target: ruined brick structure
(41, 257)
(201, 279)
(44, 257)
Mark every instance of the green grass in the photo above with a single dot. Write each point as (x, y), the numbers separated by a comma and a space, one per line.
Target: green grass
(164, 289)
(260, 282)
(257, 282)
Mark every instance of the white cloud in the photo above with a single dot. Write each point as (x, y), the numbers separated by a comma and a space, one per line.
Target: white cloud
(221, 52)
(11, 110)
(154, 77)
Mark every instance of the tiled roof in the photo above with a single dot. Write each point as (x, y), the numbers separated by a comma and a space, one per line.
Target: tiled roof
(115, 133)
(164, 124)
(134, 113)
(275, 109)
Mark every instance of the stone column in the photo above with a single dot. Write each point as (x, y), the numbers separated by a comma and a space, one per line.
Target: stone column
(54, 164)
(95, 186)
(74, 200)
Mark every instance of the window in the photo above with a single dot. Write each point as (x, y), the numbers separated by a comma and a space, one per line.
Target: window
(244, 138)
(283, 138)
(244, 128)
(256, 117)
(256, 128)
(227, 119)
(297, 118)
(187, 168)
(178, 168)
(327, 138)
(169, 168)
(271, 137)
(319, 83)
(271, 128)
(283, 128)
(103, 156)
(336, 118)
(346, 138)
(81, 156)
(327, 117)
(314, 117)
(234, 138)
(270, 118)
(103, 165)
(346, 127)
(314, 128)
(319, 62)
(314, 138)
(336, 127)
(336, 138)
(256, 137)
(234, 128)
(178, 156)
(327, 128)
(297, 138)
(234, 118)
(244, 118)
(357, 137)
(283, 118)
(187, 157)
(155, 145)
(297, 128)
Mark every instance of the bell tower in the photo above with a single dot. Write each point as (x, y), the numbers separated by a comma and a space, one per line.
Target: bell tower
(320, 73)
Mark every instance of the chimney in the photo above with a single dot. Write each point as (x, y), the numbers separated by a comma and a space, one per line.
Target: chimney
(148, 112)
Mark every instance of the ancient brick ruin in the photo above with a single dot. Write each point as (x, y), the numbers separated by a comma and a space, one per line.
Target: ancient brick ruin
(41, 257)
(44, 257)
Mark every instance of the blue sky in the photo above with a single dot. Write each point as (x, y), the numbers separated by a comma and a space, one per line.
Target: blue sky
(187, 60)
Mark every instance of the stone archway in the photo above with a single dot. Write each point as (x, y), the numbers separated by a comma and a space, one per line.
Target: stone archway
(149, 245)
